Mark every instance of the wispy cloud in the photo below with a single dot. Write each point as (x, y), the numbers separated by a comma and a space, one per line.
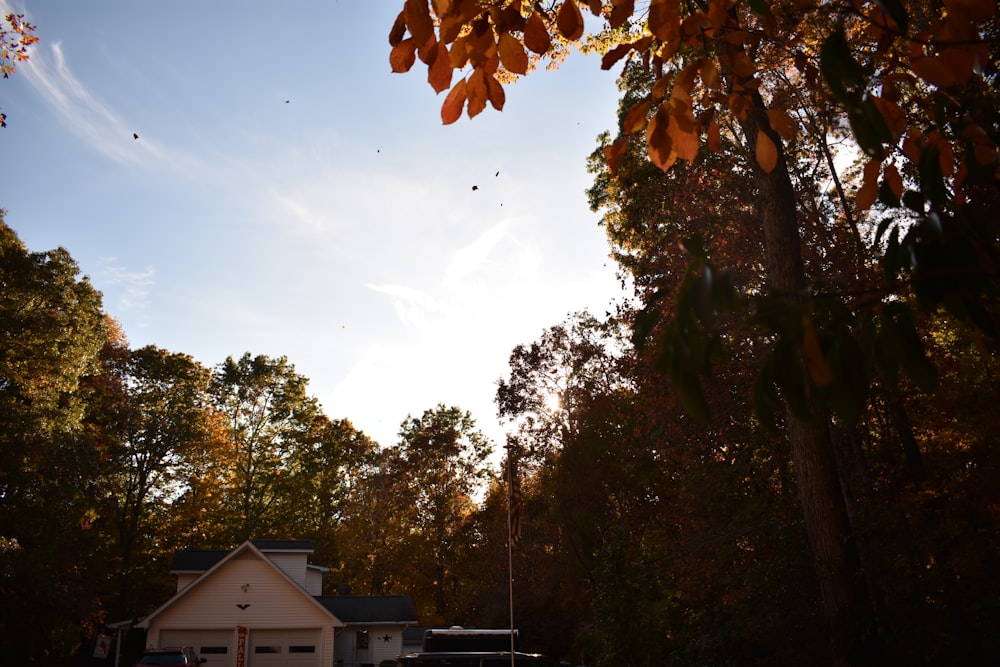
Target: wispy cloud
(471, 258)
(131, 288)
(413, 307)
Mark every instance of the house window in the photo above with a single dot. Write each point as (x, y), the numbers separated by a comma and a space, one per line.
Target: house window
(213, 650)
(301, 649)
(362, 641)
(267, 649)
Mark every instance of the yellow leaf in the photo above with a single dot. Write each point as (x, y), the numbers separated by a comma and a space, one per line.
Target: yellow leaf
(512, 54)
(767, 152)
(536, 35)
(570, 20)
(451, 110)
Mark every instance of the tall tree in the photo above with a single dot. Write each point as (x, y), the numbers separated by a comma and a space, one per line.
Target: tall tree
(51, 329)
(734, 52)
(268, 416)
(149, 414)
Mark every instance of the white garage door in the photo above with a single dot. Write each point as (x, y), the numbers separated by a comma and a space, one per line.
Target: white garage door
(218, 647)
(284, 648)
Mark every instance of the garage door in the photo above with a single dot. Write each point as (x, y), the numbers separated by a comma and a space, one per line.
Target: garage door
(218, 647)
(284, 648)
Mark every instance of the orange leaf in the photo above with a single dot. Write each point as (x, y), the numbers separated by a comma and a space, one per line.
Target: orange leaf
(868, 191)
(439, 70)
(451, 110)
(477, 92)
(983, 149)
(664, 22)
(613, 153)
(635, 117)
(658, 142)
(683, 137)
(403, 55)
(614, 55)
(767, 152)
(570, 20)
(933, 70)
(714, 136)
(495, 91)
(418, 20)
(782, 123)
(893, 180)
(710, 74)
(894, 117)
(595, 7)
(536, 35)
(512, 54)
(621, 10)
(398, 29)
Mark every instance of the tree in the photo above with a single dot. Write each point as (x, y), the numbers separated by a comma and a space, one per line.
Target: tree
(149, 414)
(51, 329)
(440, 464)
(721, 58)
(268, 416)
(16, 35)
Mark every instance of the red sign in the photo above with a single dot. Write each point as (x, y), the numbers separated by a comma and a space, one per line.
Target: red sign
(241, 646)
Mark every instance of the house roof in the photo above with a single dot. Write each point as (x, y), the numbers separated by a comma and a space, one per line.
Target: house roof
(247, 546)
(370, 609)
(200, 560)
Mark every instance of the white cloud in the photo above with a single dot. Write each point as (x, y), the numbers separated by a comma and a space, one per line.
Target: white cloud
(130, 288)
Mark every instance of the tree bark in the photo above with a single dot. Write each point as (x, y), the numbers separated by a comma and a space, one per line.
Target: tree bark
(854, 639)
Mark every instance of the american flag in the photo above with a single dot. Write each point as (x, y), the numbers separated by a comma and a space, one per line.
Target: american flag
(515, 501)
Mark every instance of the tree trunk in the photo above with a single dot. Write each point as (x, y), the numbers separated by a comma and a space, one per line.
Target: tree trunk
(844, 592)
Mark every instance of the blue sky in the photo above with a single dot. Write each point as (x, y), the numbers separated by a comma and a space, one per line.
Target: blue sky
(289, 195)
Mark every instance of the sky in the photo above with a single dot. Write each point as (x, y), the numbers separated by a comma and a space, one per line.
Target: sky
(289, 196)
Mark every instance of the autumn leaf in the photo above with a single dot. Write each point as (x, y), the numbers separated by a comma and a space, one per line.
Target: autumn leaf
(714, 136)
(512, 54)
(439, 69)
(403, 55)
(570, 20)
(621, 11)
(495, 92)
(613, 153)
(659, 145)
(477, 92)
(536, 35)
(894, 117)
(782, 123)
(683, 137)
(451, 110)
(635, 118)
(868, 191)
(767, 152)
(665, 23)
(894, 180)
(398, 30)
(418, 20)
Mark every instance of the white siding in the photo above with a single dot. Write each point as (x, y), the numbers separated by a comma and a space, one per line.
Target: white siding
(185, 578)
(293, 564)
(268, 601)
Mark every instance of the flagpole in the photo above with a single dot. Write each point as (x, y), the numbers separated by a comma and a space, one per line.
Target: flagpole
(510, 544)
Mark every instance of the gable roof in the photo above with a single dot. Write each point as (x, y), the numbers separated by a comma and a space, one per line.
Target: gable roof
(370, 609)
(199, 560)
(246, 547)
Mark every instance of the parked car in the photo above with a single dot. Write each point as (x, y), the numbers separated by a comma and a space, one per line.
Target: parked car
(154, 657)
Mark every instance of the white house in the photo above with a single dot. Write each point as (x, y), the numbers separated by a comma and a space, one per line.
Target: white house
(261, 604)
